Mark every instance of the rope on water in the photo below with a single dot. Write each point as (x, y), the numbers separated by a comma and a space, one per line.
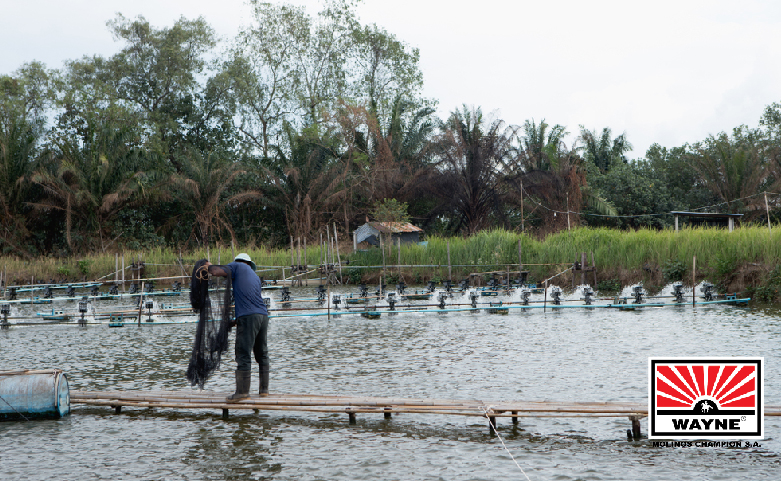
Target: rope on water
(493, 428)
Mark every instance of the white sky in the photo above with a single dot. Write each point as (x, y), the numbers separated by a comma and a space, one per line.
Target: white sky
(664, 71)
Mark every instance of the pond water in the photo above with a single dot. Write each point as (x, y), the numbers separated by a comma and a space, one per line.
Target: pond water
(566, 355)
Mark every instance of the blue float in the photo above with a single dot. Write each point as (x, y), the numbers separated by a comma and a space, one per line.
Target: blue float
(28, 394)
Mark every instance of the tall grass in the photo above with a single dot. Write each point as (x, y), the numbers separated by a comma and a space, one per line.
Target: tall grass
(492, 250)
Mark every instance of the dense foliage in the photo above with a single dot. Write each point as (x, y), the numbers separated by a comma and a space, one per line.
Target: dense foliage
(302, 121)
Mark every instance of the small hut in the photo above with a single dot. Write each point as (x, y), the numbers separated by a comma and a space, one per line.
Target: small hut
(371, 231)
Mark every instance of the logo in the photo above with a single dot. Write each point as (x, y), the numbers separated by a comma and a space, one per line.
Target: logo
(705, 398)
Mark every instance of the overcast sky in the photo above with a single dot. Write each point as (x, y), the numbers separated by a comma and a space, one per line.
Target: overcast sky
(664, 71)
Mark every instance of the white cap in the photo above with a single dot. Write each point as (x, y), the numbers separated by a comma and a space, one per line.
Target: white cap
(245, 257)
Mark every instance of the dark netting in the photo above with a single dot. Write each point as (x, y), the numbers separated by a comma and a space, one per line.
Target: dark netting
(211, 334)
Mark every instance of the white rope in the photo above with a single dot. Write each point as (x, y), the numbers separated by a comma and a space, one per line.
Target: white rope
(493, 428)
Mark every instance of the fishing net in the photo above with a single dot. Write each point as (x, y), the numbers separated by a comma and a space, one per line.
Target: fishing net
(211, 333)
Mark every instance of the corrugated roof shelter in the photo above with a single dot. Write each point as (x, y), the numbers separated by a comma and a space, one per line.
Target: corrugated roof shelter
(370, 232)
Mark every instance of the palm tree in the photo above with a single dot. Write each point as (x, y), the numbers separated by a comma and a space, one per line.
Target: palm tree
(602, 151)
(202, 186)
(734, 168)
(308, 181)
(473, 158)
(96, 175)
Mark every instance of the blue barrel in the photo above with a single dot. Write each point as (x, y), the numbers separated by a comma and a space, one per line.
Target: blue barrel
(34, 394)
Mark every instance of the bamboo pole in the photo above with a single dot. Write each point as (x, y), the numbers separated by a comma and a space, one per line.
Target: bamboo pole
(140, 303)
(338, 257)
(233, 251)
(522, 229)
(399, 262)
(694, 280)
(449, 268)
(292, 251)
(123, 272)
(767, 209)
(306, 263)
(116, 267)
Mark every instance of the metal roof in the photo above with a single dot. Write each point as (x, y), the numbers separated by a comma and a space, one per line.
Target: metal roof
(705, 214)
(394, 227)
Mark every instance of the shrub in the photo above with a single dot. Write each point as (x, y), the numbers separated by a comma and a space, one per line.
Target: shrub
(673, 271)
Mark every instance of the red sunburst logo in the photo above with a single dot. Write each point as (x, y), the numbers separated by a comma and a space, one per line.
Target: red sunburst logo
(728, 386)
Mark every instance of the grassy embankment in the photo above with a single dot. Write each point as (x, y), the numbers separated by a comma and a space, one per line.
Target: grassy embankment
(747, 260)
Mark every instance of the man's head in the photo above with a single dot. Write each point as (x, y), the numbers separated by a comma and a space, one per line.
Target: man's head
(244, 257)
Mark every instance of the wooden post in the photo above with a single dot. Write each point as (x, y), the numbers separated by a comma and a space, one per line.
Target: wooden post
(515, 418)
(449, 268)
(694, 280)
(568, 212)
(399, 261)
(522, 229)
(767, 209)
(520, 260)
(140, 303)
(219, 254)
(545, 300)
(306, 264)
(292, 252)
(382, 248)
(321, 248)
(355, 242)
(635, 426)
(123, 271)
(594, 265)
(338, 257)
(328, 300)
(351, 417)
(116, 267)
(492, 423)
(224, 414)
(583, 267)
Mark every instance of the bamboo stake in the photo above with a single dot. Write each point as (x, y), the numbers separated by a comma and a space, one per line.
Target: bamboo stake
(399, 262)
(306, 263)
(338, 257)
(449, 268)
(123, 272)
(767, 209)
(140, 303)
(694, 279)
(292, 260)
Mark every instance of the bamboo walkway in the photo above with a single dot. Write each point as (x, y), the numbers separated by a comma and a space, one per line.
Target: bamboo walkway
(352, 405)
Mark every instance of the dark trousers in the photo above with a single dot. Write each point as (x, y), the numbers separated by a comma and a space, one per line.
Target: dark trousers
(251, 338)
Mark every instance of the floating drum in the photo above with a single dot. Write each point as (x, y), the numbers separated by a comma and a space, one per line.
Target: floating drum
(33, 394)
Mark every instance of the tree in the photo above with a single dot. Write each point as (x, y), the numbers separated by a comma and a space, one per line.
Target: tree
(24, 98)
(153, 78)
(471, 156)
(385, 72)
(201, 189)
(308, 183)
(390, 210)
(601, 150)
(733, 167)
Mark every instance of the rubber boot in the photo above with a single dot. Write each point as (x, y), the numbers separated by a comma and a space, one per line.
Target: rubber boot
(243, 381)
(263, 382)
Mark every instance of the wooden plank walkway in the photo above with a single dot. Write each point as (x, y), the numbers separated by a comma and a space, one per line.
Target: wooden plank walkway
(352, 405)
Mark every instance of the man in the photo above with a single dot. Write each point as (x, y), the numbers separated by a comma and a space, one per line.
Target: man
(251, 322)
